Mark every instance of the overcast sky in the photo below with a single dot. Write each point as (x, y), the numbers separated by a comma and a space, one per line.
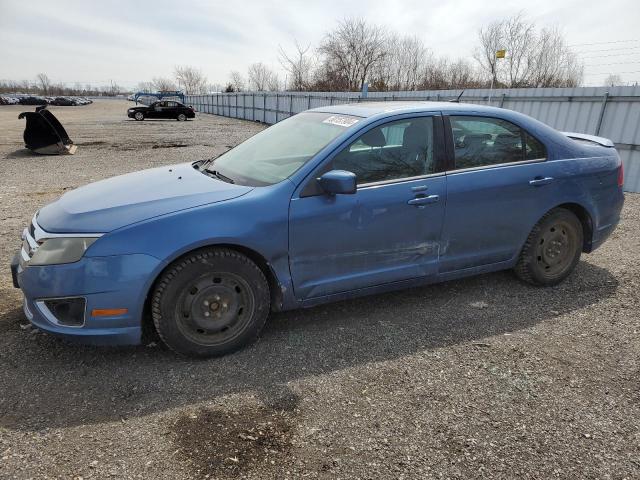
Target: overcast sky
(132, 41)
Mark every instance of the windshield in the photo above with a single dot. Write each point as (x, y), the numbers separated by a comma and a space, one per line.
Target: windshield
(277, 152)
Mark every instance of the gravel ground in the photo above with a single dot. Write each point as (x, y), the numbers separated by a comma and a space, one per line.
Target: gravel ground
(479, 378)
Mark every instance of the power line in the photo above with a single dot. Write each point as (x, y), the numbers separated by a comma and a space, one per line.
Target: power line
(607, 50)
(607, 64)
(609, 73)
(613, 55)
(603, 43)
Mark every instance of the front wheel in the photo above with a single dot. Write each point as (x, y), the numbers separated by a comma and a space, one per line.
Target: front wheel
(552, 249)
(182, 117)
(210, 303)
(139, 116)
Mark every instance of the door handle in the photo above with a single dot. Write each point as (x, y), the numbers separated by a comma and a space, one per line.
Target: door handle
(536, 182)
(424, 200)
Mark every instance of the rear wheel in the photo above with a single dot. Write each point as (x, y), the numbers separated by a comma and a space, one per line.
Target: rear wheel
(552, 249)
(139, 116)
(182, 117)
(210, 303)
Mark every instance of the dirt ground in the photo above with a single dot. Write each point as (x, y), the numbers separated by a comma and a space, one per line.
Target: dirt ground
(479, 378)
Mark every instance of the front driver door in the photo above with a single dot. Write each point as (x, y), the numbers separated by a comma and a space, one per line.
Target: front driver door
(386, 232)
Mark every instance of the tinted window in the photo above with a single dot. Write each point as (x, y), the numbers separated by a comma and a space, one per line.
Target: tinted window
(482, 141)
(392, 151)
(172, 104)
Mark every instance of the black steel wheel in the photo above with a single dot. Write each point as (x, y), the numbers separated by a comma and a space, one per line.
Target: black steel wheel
(210, 303)
(552, 249)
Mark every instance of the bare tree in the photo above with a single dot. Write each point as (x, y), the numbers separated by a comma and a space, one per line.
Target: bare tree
(403, 66)
(236, 82)
(613, 80)
(299, 65)
(352, 50)
(554, 64)
(148, 87)
(261, 78)
(533, 58)
(190, 79)
(161, 84)
(43, 82)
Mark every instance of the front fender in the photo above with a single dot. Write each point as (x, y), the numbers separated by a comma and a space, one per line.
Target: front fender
(257, 222)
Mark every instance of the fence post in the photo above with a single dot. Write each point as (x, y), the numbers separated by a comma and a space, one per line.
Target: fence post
(309, 102)
(602, 109)
(502, 100)
(291, 105)
(277, 106)
(253, 107)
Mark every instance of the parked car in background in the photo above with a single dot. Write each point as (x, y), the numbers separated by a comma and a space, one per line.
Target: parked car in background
(8, 100)
(332, 203)
(162, 109)
(63, 102)
(32, 100)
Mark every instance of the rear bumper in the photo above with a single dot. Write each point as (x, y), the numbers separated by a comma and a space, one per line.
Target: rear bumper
(115, 282)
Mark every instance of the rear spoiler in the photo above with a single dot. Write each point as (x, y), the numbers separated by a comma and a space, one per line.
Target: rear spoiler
(605, 142)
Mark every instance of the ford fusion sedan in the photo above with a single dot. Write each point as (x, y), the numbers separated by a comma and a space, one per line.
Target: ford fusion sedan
(162, 109)
(330, 204)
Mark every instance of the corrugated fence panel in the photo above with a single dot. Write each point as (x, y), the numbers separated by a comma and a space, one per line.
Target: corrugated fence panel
(609, 112)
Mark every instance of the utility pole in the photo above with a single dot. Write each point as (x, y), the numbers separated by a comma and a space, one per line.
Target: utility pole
(494, 65)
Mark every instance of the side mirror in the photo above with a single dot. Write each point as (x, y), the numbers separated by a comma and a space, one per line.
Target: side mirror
(338, 182)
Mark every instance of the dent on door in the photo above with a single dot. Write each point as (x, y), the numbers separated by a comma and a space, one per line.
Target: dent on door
(377, 236)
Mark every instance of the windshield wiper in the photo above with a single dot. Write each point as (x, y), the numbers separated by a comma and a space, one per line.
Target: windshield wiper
(220, 176)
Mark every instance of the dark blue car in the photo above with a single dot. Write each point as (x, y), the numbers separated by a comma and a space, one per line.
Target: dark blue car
(332, 203)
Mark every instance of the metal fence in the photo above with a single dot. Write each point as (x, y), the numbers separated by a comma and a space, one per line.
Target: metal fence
(612, 112)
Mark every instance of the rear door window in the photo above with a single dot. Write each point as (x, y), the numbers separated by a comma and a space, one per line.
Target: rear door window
(485, 141)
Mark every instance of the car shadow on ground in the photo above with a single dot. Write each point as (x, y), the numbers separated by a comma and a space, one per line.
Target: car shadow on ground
(22, 153)
(51, 383)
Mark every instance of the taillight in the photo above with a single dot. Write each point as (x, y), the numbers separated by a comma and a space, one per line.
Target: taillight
(621, 175)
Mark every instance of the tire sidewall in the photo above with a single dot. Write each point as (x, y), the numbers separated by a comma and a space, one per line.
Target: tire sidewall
(534, 268)
(175, 280)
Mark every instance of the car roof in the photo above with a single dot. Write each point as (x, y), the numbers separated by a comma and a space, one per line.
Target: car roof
(370, 109)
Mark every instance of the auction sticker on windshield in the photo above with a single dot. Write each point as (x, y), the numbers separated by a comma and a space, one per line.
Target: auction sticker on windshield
(340, 120)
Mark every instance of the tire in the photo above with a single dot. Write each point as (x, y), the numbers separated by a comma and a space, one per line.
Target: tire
(552, 249)
(139, 116)
(210, 303)
(181, 117)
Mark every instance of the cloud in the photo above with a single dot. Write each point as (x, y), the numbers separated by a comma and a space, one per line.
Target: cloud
(129, 42)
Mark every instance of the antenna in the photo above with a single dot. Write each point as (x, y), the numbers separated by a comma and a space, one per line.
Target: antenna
(457, 100)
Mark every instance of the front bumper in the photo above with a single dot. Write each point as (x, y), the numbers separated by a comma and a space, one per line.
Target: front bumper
(15, 265)
(110, 282)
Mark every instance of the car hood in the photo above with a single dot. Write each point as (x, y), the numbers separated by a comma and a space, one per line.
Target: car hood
(109, 204)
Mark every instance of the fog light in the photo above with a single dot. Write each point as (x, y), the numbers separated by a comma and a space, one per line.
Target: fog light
(64, 311)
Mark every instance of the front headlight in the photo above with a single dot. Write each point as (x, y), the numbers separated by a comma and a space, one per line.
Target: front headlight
(57, 250)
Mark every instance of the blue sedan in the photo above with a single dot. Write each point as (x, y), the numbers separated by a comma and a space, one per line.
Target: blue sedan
(329, 204)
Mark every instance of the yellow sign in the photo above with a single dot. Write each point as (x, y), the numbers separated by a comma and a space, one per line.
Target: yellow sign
(500, 53)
